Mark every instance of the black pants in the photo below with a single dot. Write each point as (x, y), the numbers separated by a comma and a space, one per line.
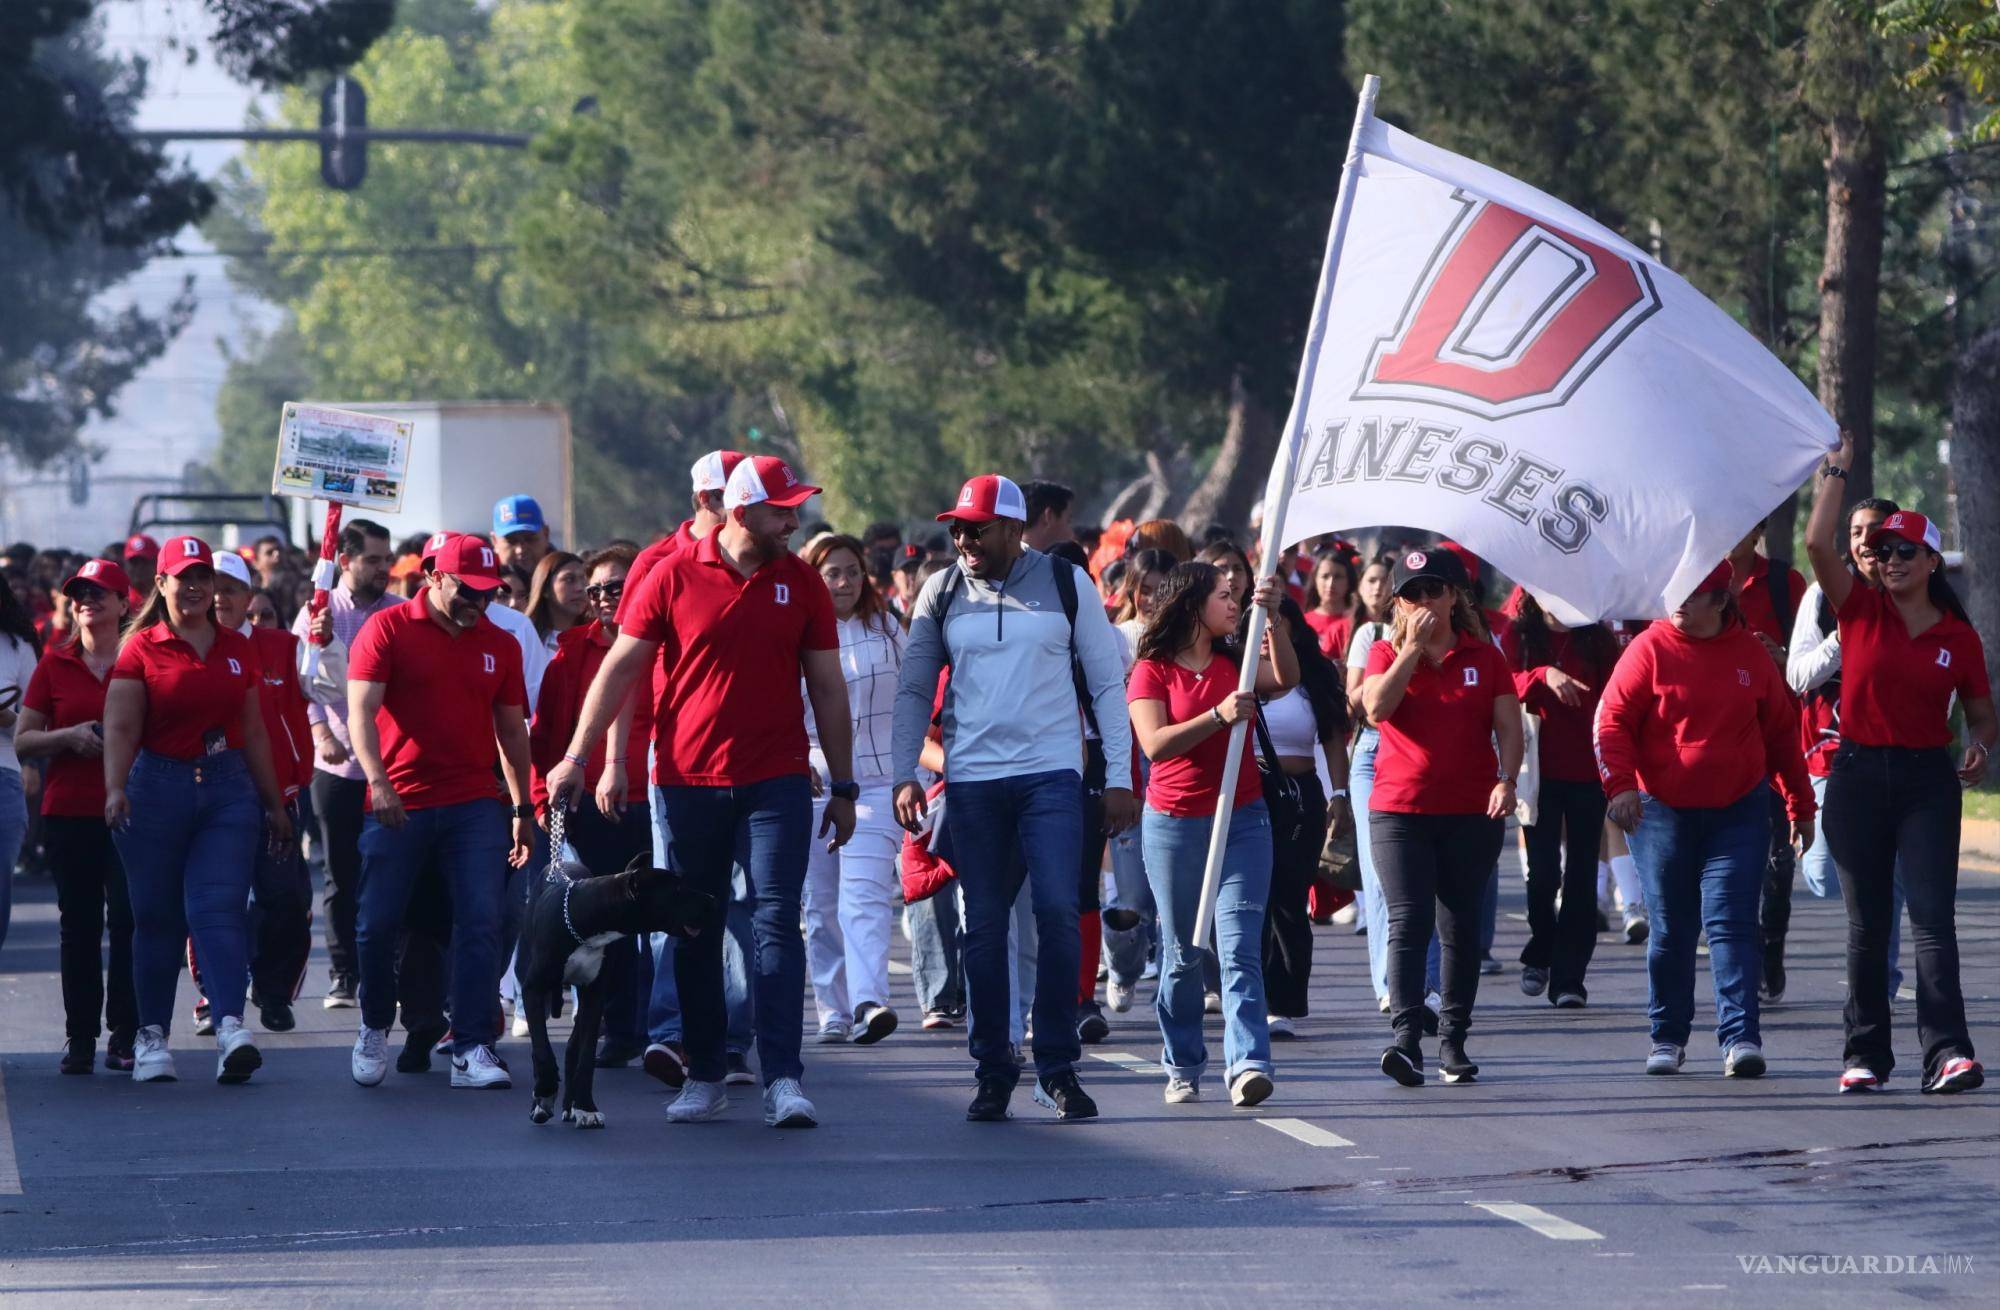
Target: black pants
(280, 920)
(1288, 934)
(1433, 869)
(608, 846)
(340, 804)
(1090, 873)
(1775, 915)
(1562, 854)
(90, 893)
(1888, 808)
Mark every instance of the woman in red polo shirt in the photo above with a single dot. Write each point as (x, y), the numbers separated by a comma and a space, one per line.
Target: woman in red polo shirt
(186, 762)
(62, 723)
(1907, 650)
(1693, 724)
(1184, 701)
(1441, 696)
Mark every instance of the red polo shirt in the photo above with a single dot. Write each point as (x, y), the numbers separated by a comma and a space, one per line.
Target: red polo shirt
(436, 720)
(188, 697)
(730, 710)
(1188, 785)
(1895, 689)
(564, 686)
(665, 548)
(66, 693)
(1436, 752)
(284, 706)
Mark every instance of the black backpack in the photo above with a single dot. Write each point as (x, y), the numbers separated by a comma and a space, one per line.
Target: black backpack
(1065, 576)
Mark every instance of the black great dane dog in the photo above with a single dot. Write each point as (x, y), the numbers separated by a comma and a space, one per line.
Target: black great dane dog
(572, 917)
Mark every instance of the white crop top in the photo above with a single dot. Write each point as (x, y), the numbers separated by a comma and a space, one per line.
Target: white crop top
(1290, 721)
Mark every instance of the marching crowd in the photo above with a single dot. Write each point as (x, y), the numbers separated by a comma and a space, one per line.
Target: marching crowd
(1010, 741)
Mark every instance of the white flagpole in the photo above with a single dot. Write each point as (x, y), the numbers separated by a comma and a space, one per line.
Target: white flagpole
(1277, 492)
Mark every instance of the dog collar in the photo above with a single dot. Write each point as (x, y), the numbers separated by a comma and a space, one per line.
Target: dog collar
(569, 885)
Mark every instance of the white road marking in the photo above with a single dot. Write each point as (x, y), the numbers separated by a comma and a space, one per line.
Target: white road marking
(1311, 1134)
(10, 1174)
(1124, 1061)
(899, 968)
(1548, 1225)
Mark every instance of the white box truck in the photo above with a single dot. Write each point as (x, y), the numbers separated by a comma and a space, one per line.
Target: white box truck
(464, 456)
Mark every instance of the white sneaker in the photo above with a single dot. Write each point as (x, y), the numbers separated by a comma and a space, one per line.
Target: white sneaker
(1382, 1004)
(1150, 972)
(151, 1061)
(1249, 1088)
(786, 1106)
(1347, 913)
(478, 1069)
(1118, 995)
(1211, 1003)
(698, 1102)
(833, 1032)
(236, 1055)
(370, 1060)
(520, 1018)
(1745, 1060)
(1280, 1028)
(1181, 1091)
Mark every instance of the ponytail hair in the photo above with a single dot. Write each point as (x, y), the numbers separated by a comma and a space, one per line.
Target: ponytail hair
(1944, 595)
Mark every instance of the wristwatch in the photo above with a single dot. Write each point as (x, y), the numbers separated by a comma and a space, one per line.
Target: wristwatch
(845, 791)
(523, 811)
(1833, 471)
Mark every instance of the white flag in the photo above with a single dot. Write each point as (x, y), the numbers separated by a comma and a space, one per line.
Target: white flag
(1501, 369)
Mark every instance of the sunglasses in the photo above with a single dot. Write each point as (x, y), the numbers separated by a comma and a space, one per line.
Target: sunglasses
(1902, 550)
(605, 590)
(1423, 589)
(961, 530)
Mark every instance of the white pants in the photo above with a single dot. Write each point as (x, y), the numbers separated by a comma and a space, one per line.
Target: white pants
(850, 908)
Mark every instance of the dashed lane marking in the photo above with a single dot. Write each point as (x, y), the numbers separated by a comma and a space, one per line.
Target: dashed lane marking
(10, 1173)
(1311, 1134)
(899, 968)
(1550, 1226)
(1131, 1063)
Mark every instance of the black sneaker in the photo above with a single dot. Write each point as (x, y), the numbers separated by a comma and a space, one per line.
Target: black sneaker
(1452, 1060)
(276, 1015)
(1406, 1067)
(118, 1052)
(416, 1053)
(79, 1056)
(667, 1062)
(1091, 1027)
(341, 995)
(989, 1104)
(1065, 1095)
(736, 1070)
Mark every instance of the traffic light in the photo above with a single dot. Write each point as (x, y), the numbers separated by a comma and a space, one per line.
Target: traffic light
(343, 108)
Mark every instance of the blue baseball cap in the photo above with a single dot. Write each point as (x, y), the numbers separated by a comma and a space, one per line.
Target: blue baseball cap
(513, 514)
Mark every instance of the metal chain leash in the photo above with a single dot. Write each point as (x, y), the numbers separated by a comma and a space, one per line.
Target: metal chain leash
(558, 820)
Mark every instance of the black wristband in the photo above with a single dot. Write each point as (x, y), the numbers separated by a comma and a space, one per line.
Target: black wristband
(1833, 471)
(523, 811)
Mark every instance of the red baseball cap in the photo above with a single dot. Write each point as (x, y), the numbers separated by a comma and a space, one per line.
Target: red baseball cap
(711, 472)
(1910, 526)
(1718, 579)
(985, 498)
(99, 573)
(1465, 557)
(471, 560)
(141, 546)
(183, 553)
(432, 545)
(766, 480)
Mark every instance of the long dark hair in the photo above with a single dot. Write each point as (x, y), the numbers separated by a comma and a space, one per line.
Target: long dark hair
(14, 618)
(1944, 595)
(1318, 678)
(1177, 613)
(1137, 566)
(1592, 643)
(1346, 563)
(542, 591)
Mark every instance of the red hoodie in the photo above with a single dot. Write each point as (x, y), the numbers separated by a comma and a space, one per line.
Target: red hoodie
(1565, 746)
(1700, 724)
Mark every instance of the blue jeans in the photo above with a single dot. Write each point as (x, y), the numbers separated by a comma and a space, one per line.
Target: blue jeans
(766, 828)
(1004, 831)
(1374, 908)
(188, 852)
(663, 998)
(1823, 881)
(931, 925)
(1704, 868)
(467, 845)
(1176, 854)
(13, 829)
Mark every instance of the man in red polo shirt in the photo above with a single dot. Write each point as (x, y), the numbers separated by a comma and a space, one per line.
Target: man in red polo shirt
(735, 621)
(434, 695)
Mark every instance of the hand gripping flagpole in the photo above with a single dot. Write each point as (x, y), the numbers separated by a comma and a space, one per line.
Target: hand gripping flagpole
(1277, 492)
(324, 574)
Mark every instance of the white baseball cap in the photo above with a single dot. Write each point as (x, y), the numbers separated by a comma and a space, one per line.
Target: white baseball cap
(766, 480)
(711, 472)
(229, 564)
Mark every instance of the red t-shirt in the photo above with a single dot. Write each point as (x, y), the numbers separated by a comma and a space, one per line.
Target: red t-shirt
(1436, 754)
(436, 720)
(1189, 785)
(730, 710)
(66, 693)
(564, 685)
(1895, 689)
(187, 697)
(284, 706)
(1335, 631)
(665, 548)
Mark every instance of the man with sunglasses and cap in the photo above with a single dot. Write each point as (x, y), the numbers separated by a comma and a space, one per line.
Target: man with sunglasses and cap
(1023, 644)
(739, 623)
(435, 696)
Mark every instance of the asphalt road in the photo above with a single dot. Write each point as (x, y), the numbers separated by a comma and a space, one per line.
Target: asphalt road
(1564, 1174)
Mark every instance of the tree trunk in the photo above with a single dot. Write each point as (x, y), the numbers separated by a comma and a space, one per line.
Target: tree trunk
(1975, 470)
(1241, 467)
(1849, 284)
